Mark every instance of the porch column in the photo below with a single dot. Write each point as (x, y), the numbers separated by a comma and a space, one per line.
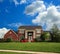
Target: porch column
(25, 34)
(34, 34)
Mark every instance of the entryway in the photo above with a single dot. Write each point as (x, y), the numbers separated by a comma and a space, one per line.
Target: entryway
(30, 36)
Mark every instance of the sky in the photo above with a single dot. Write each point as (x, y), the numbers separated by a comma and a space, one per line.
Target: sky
(15, 13)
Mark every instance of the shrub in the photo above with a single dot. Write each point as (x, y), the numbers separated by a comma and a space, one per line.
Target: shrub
(46, 36)
(8, 40)
(22, 37)
(37, 39)
(1, 40)
(42, 37)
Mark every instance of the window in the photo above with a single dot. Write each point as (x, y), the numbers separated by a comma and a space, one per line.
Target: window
(21, 31)
(30, 34)
(38, 30)
(38, 35)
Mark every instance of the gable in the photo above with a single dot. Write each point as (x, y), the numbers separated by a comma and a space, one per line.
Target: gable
(11, 32)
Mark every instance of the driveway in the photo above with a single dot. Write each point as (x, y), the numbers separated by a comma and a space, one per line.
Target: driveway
(28, 52)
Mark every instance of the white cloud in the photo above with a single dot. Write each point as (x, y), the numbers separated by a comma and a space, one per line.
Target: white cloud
(46, 16)
(15, 25)
(50, 17)
(35, 7)
(16, 2)
(3, 31)
(27, 1)
(23, 1)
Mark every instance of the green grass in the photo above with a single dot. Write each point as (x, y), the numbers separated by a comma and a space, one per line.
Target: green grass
(11, 53)
(39, 46)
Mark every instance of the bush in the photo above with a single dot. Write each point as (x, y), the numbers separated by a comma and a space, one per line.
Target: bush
(22, 37)
(37, 39)
(24, 40)
(1, 40)
(42, 38)
(56, 39)
(8, 40)
(46, 36)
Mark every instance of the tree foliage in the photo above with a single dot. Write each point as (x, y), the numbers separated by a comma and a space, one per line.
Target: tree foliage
(55, 33)
(45, 36)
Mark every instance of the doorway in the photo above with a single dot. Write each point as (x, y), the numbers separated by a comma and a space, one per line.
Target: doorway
(30, 36)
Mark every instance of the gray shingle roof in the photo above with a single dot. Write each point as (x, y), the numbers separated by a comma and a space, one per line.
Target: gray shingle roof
(29, 27)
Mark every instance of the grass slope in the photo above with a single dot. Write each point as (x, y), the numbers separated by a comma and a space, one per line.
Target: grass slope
(39, 46)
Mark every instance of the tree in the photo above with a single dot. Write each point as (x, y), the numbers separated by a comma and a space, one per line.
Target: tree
(45, 36)
(55, 33)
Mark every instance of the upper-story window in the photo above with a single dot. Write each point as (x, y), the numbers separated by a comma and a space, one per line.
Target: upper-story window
(38, 30)
(21, 31)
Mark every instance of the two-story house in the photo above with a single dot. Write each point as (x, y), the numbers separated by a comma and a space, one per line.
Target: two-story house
(29, 32)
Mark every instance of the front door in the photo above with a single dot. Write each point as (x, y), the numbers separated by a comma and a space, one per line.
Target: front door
(30, 36)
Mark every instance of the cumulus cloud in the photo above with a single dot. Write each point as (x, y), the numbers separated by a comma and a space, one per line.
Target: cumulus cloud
(46, 16)
(23, 1)
(16, 25)
(27, 1)
(16, 2)
(3, 31)
(50, 17)
(36, 7)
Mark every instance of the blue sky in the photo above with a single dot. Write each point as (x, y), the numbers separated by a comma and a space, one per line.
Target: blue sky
(15, 13)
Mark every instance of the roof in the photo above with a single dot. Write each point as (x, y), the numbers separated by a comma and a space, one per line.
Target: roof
(30, 27)
(47, 31)
(11, 31)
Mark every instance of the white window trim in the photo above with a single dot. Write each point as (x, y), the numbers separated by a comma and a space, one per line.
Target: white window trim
(38, 30)
(21, 30)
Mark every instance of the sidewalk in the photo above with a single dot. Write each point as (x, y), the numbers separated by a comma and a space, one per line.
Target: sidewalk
(17, 51)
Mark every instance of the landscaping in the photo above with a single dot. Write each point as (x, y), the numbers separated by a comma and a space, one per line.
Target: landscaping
(35, 46)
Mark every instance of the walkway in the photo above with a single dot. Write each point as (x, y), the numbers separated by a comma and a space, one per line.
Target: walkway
(28, 52)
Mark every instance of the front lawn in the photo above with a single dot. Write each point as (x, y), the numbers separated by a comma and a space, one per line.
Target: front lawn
(36, 46)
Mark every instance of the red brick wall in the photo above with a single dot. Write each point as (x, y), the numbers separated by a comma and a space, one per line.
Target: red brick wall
(19, 35)
(11, 34)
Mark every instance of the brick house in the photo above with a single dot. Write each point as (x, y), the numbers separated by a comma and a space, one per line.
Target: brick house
(29, 32)
(12, 35)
